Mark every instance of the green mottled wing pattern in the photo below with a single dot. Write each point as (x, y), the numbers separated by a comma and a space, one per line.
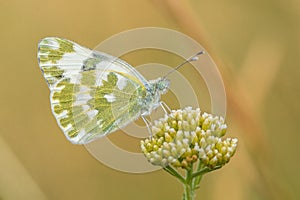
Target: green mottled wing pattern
(92, 93)
(59, 58)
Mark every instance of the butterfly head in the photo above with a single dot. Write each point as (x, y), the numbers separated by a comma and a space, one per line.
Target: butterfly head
(161, 85)
(155, 89)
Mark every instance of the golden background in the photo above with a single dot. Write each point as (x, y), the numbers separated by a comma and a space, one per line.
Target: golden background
(256, 45)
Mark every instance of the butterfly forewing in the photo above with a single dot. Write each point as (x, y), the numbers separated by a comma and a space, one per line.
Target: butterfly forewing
(92, 93)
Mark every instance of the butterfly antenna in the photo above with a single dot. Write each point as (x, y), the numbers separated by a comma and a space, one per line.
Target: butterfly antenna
(191, 59)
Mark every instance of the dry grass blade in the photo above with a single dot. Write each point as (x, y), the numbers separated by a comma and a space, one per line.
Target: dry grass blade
(16, 182)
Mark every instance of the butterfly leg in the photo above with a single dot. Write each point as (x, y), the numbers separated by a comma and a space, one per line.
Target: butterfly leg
(148, 124)
(165, 107)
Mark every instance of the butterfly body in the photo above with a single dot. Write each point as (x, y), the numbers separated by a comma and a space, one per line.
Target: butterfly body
(92, 93)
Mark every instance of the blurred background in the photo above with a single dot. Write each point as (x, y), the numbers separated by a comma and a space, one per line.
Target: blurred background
(256, 45)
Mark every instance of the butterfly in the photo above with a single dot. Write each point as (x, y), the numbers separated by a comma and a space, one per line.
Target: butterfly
(92, 93)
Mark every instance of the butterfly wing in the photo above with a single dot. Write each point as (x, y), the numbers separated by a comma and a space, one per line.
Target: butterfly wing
(92, 93)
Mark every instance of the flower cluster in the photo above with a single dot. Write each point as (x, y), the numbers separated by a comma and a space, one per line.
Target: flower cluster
(185, 136)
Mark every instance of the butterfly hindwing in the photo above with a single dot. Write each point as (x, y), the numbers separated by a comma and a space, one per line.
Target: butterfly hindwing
(92, 93)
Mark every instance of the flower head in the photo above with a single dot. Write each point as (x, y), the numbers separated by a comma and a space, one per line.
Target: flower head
(186, 136)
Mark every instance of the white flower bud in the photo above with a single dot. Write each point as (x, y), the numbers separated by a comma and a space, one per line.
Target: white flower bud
(183, 136)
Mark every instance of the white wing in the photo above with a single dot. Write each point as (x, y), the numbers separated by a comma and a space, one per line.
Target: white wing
(92, 93)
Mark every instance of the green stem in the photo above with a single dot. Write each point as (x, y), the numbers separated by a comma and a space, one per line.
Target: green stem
(173, 172)
(198, 178)
(188, 186)
(204, 171)
(192, 179)
(188, 192)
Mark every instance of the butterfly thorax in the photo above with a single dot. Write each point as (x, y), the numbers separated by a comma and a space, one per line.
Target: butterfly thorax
(154, 89)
